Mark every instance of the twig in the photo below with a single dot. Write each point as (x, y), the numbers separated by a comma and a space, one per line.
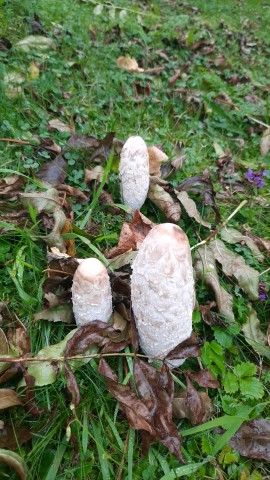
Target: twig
(14, 140)
(75, 357)
(50, 270)
(265, 271)
(123, 456)
(221, 225)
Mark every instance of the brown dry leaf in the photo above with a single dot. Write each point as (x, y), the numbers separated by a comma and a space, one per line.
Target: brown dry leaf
(80, 196)
(9, 398)
(30, 401)
(48, 144)
(188, 348)
(235, 265)
(210, 317)
(191, 208)
(60, 313)
(232, 236)
(53, 172)
(95, 174)
(10, 439)
(173, 78)
(83, 141)
(265, 142)
(204, 378)
(152, 412)
(181, 406)
(72, 385)
(261, 243)
(132, 235)
(57, 124)
(14, 461)
(165, 202)
(252, 440)
(87, 335)
(11, 186)
(202, 185)
(205, 269)
(130, 64)
(254, 336)
(141, 91)
(195, 404)
(156, 158)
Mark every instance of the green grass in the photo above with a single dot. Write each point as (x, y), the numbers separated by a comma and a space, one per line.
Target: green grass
(80, 83)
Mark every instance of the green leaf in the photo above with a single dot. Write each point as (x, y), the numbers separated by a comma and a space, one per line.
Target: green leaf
(251, 387)
(222, 337)
(185, 470)
(14, 461)
(245, 369)
(230, 383)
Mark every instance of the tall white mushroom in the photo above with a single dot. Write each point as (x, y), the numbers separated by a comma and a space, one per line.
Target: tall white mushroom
(134, 173)
(91, 292)
(162, 290)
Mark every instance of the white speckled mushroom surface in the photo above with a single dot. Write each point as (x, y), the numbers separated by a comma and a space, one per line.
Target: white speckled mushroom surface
(162, 290)
(91, 292)
(134, 172)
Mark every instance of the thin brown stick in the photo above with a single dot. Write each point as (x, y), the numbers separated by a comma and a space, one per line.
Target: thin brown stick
(221, 225)
(123, 456)
(74, 357)
(13, 140)
(50, 270)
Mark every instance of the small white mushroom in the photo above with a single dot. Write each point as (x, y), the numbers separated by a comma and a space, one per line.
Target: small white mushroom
(162, 290)
(91, 292)
(134, 173)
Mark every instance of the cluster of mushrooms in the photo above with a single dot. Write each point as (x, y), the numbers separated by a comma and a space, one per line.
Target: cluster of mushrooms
(162, 285)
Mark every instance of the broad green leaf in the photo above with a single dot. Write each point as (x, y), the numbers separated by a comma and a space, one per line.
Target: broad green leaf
(205, 269)
(245, 369)
(14, 461)
(230, 383)
(251, 387)
(185, 470)
(234, 265)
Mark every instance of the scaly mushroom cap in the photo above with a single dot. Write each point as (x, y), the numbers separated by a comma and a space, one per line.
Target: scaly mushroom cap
(134, 173)
(91, 292)
(162, 290)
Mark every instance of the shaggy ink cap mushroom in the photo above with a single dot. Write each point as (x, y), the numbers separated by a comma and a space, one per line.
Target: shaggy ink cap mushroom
(91, 292)
(134, 172)
(162, 291)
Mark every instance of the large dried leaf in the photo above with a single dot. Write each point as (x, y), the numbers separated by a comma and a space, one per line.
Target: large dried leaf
(132, 235)
(232, 236)
(95, 174)
(186, 349)
(204, 378)
(254, 336)
(11, 186)
(253, 439)
(130, 64)
(191, 208)
(87, 335)
(57, 124)
(205, 269)
(195, 403)
(83, 141)
(201, 184)
(53, 172)
(72, 385)
(265, 142)
(35, 42)
(262, 243)
(156, 158)
(234, 265)
(9, 398)
(59, 313)
(10, 438)
(46, 201)
(164, 201)
(181, 406)
(14, 461)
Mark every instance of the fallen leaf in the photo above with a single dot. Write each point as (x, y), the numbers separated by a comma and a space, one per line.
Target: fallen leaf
(233, 264)
(252, 440)
(232, 236)
(57, 124)
(141, 91)
(11, 186)
(204, 378)
(60, 313)
(30, 401)
(205, 269)
(191, 208)
(165, 202)
(80, 196)
(210, 317)
(195, 404)
(181, 406)
(53, 172)
(9, 398)
(35, 42)
(188, 348)
(262, 243)
(156, 158)
(121, 260)
(87, 335)
(202, 185)
(132, 235)
(254, 336)
(72, 385)
(10, 438)
(14, 461)
(173, 78)
(48, 144)
(95, 174)
(265, 142)
(130, 64)
(83, 141)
